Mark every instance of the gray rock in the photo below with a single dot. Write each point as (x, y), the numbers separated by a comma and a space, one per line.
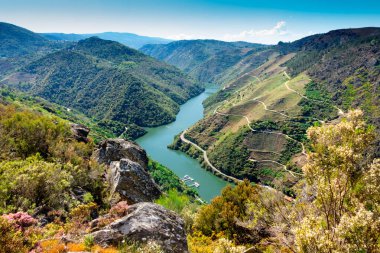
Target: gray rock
(146, 222)
(131, 182)
(80, 132)
(115, 149)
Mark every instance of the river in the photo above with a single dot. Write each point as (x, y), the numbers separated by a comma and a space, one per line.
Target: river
(157, 139)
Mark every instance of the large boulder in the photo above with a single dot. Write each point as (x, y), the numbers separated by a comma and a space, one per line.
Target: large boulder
(129, 181)
(146, 222)
(116, 149)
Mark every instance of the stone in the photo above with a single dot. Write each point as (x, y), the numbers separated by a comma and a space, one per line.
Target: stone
(115, 149)
(131, 182)
(146, 222)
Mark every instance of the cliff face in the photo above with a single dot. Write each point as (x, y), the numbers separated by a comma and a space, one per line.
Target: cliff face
(127, 174)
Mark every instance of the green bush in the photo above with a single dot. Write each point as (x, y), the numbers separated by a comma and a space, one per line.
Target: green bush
(26, 184)
(173, 200)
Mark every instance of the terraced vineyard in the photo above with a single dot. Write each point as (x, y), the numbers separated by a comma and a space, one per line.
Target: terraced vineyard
(258, 131)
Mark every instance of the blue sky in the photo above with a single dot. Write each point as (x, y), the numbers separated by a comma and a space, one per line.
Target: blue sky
(264, 21)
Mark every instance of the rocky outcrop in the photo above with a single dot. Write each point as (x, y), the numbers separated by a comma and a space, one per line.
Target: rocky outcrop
(131, 182)
(146, 222)
(80, 132)
(127, 171)
(116, 149)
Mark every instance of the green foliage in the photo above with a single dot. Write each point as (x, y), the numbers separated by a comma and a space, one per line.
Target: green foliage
(31, 183)
(270, 172)
(222, 214)
(99, 129)
(296, 128)
(167, 180)
(41, 163)
(205, 60)
(319, 105)
(173, 200)
(265, 125)
(88, 198)
(292, 147)
(231, 156)
(88, 242)
(88, 78)
(302, 61)
(25, 133)
(16, 41)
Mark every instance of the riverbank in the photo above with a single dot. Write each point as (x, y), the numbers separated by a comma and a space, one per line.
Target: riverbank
(156, 140)
(193, 150)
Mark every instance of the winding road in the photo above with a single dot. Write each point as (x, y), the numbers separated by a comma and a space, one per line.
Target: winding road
(214, 169)
(205, 157)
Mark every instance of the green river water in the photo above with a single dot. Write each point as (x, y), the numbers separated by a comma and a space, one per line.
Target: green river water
(157, 139)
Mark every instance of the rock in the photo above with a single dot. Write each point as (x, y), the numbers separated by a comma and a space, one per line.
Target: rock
(115, 149)
(127, 171)
(131, 182)
(80, 132)
(146, 222)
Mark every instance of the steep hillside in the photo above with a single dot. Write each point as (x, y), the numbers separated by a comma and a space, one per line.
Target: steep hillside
(128, 39)
(255, 126)
(19, 46)
(205, 60)
(108, 81)
(17, 41)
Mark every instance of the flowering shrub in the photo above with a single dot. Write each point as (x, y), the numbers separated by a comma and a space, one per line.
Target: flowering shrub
(344, 216)
(11, 238)
(18, 232)
(20, 220)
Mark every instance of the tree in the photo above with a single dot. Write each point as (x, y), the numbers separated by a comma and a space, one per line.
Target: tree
(339, 176)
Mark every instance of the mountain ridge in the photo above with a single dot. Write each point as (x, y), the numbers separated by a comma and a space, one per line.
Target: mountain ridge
(94, 74)
(129, 39)
(203, 59)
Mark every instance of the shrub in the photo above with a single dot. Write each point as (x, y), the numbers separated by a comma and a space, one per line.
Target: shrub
(222, 214)
(20, 220)
(174, 201)
(88, 242)
(29, 183)
(11, 239)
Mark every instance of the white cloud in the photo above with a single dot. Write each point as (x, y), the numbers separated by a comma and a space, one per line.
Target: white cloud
(278, 30)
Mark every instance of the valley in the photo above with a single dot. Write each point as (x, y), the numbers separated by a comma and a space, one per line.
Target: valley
(156, 140)
(110, 144)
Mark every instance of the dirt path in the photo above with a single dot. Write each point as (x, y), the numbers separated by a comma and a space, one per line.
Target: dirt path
(268, 132)
(270, 110)
(340, 111)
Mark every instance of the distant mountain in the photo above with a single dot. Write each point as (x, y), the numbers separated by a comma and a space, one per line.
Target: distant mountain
(205, 60)
(128, 39)
(19, 46)
(108, 81)
(17, 41)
